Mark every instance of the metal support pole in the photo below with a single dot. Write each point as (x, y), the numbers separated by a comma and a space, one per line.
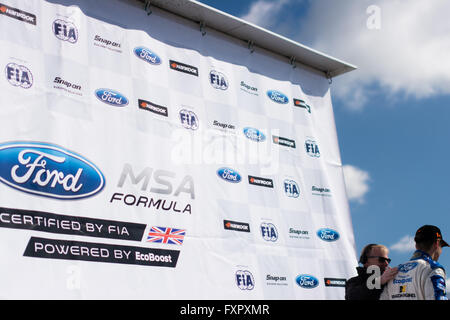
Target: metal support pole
(147, 7)
(292, 62)
(329, 77)
(250, 46)
(202, 28)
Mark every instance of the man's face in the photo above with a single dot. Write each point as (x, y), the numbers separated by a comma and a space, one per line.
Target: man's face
(378, 257)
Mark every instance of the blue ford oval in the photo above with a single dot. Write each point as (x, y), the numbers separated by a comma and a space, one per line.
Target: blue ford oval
(406, 267)
(147, 55)
(254, 134)
(328, 235)
(48, 170)
(229, 175)
(307, 281)
(277, 96)
(111, 97)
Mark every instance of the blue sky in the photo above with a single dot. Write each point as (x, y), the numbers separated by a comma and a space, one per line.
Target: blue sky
(392, 114)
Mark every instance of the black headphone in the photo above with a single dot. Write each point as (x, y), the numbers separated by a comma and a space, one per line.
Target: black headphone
(363, 258)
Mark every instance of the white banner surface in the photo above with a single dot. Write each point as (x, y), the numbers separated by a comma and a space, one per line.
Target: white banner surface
(140, 159)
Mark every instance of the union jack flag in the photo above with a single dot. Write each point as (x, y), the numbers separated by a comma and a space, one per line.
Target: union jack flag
(166, 235)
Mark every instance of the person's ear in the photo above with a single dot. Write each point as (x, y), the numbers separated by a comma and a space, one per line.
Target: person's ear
(436, 244)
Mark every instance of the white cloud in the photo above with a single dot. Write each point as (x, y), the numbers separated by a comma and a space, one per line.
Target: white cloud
(400, 47)
(407, 55)
(405, 244)
(356, 183)
(263, 13)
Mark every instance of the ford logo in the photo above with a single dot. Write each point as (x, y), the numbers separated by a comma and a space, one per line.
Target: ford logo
(254, 134)
(147, 55)
(307, 281)
(229, 175)
(48, 170)
(111, 97)
(328, 235)
(404, 268)
(277, 96)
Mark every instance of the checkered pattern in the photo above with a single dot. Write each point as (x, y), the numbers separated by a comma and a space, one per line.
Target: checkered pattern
(229, 93)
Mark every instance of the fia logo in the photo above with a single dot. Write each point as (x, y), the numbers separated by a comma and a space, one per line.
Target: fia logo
(269, 232)
(65, 31)
(18, 75)
(189, 119)
(218, 80)
(291, 188)
(245, 280)
(312, 148)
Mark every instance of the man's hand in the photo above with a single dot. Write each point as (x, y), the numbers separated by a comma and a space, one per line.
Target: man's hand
(388, 274)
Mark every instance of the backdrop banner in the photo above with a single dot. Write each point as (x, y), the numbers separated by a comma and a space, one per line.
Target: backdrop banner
(142, 159)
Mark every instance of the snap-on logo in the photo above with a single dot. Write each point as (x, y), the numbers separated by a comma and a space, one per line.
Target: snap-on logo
(147, 55)
(277, 96)
(48, 170)
(111, 97)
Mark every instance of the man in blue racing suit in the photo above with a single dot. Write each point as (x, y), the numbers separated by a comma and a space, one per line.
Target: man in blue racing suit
(421, 278)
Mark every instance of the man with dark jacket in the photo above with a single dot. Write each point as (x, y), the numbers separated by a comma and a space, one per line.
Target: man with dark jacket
(374, 260)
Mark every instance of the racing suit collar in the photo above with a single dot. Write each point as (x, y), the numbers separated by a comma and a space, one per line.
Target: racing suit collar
(419, 254)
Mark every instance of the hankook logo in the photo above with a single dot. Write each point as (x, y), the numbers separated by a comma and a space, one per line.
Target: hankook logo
(263, 182)
(283, 141)
(185, 68)
(236, 226)
(17, 14)
(153, 107)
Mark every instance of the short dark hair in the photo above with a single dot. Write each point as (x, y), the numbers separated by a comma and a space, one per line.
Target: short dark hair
(425, 245)
(426, 236)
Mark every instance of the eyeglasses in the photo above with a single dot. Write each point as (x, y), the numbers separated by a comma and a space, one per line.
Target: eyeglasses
(381, 259)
